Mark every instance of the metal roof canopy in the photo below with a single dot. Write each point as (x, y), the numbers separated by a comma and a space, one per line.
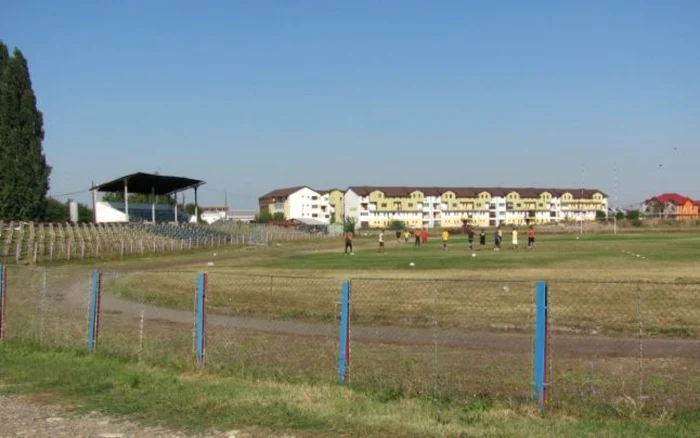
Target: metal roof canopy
(146, 184)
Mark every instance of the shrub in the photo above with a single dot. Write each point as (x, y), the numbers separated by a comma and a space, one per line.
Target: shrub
(397, 225)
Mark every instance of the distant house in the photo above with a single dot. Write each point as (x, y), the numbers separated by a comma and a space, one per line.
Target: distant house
(299, 202)
(671, 206)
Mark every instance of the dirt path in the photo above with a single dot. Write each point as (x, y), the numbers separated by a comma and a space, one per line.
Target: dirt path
(566, 345)
(32, 416)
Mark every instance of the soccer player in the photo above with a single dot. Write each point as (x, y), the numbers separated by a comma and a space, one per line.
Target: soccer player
(445, 237)
(515, 238)
(418, 235)
(381, 241)
(424, 236)
(482, 239)
(406, 236)
(497, 237)
(531, 237)
(348, 242)
(470, 236)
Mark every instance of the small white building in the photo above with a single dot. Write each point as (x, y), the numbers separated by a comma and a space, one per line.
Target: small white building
(297, 203)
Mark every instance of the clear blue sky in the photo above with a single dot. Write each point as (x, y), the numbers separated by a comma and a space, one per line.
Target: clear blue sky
(256, 95)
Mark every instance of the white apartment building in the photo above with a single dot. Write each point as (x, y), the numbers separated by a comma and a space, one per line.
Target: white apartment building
(432, 207)
(297, 203)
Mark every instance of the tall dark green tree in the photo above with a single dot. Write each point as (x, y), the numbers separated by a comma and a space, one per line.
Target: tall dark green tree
(24, 173)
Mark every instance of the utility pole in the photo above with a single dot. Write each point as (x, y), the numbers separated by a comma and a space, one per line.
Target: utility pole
(583, 184)
(615, 199)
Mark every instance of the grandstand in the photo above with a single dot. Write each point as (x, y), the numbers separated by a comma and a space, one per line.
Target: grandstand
(144, 184)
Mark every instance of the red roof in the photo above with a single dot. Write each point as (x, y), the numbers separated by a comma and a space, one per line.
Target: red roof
(673, 198)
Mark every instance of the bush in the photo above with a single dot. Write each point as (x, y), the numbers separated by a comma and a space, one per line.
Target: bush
(633, 215)
(396, 225)
(348, 225)
(600, 215)
(636, 222)
(620, 215)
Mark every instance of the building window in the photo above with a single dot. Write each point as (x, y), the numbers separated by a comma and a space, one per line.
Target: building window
(314, 215)
(383, 205)
(410, 205)
(314, 198)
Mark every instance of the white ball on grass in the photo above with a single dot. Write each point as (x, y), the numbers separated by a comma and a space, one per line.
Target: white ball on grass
(411, 264)
(473, 255)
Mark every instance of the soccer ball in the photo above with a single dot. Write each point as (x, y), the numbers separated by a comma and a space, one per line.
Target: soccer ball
(352, 253)
(411, 264)
(473, 255)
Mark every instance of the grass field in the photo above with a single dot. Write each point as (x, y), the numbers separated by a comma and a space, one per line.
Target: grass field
(196, 402)
(624, 318)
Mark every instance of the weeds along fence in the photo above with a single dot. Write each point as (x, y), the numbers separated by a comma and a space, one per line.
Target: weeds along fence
(633, 348)
(27, 242)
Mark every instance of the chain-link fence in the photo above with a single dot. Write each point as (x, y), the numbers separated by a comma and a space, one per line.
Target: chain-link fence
(631, 347)
(47, 307)
(452, 338)
(284, 327)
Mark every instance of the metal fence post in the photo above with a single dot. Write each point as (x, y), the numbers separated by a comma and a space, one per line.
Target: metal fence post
(94, 311)
(344, 346)
(3, 300)
(200, 318)
(541, 338)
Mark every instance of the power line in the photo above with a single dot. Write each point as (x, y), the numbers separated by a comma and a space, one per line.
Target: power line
(70, 194)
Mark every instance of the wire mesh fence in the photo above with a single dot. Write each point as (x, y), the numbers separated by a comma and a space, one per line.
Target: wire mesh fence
(47, 307)
(630, 346)
(453, 338)
(633, 347)
(283, 327)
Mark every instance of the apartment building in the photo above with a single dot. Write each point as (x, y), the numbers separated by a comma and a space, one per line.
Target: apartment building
(436, 207)
(451, 207)
(299, 202)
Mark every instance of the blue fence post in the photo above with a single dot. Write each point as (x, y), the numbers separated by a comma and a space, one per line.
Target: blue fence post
(541, 340)
(94, 310)
(344, 346)
(201, 318)
(3, 300)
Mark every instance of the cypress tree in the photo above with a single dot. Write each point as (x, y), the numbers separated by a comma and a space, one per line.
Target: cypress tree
(24, 173)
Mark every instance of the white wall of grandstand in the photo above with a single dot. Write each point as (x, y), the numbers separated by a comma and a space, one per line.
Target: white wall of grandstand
(111, 212)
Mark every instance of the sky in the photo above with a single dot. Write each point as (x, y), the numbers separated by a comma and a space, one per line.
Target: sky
(257, 95)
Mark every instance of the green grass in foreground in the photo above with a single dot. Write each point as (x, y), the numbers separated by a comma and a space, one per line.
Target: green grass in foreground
(198, 402)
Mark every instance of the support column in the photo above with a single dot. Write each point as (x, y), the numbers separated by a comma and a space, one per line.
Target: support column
(175, 208)
(126, 199)
(94, 203)
(153, 205)
(196, 207)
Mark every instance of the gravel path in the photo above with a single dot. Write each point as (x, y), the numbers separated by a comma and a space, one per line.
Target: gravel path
(31, 416)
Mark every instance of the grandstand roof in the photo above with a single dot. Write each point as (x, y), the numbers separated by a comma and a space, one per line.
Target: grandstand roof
(146, 183)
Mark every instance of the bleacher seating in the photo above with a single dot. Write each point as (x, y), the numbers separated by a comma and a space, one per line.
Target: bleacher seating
(186, 231)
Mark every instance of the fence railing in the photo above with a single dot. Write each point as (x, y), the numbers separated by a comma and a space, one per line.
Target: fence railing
(633, 347)
(30, 242)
